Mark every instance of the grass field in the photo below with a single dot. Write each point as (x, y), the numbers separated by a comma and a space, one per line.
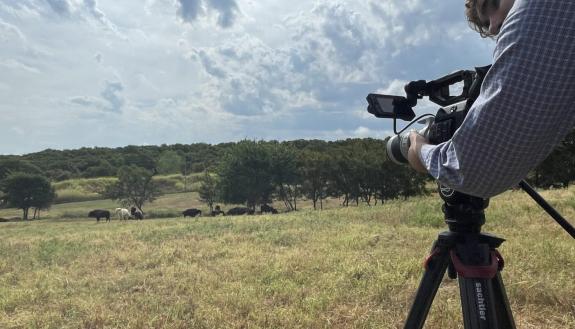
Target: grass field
(354, 267)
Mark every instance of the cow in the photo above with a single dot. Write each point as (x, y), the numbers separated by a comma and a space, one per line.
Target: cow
(123, 213)
(99, 213)
(264, 208)
(240, 211)
(192, 212)
(136, 213)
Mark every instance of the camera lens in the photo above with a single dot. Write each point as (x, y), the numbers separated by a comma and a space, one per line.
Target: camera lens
(395, 148)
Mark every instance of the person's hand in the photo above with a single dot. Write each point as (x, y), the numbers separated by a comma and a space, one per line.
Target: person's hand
(416, 142)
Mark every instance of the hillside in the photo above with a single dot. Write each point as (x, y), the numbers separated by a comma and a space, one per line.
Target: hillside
(354, 267)
(59, 165)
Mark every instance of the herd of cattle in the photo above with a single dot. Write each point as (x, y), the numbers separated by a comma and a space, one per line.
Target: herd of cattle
(135, 213)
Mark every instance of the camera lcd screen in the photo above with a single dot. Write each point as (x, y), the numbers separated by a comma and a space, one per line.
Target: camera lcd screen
(385, 104)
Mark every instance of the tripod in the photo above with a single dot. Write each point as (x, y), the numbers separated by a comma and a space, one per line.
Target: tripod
(470, 256)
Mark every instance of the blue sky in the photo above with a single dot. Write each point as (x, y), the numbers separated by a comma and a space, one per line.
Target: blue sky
(83, 73)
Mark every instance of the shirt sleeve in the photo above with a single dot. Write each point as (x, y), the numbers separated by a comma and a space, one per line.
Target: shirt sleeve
(525, 107)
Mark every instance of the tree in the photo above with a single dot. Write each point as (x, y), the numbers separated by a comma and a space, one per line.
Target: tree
(342, 176)
(139, 156)
(13, 165)
(102, 169)
(245, 175)
(186, 169)
(558, 169)
(170, 162)
(314, 171)
(24, 191)
(135, 186)
(2, 199)
(208, 189)
(284, 174)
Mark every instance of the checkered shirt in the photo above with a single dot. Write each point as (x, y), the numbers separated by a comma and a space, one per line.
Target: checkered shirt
(525, 108)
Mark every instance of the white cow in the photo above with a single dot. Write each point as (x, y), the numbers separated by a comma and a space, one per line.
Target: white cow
(123, 213)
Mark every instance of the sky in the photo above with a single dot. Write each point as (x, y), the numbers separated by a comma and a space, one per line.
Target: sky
(108, 73)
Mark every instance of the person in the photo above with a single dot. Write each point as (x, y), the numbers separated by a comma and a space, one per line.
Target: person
(526, 103)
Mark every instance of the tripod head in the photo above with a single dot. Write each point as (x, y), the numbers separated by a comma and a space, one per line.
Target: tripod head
(463, 213)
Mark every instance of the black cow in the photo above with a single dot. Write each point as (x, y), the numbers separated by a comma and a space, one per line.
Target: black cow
(136, 213)
(192, 212)
(265, 208)
(240, 211)
(99, 213)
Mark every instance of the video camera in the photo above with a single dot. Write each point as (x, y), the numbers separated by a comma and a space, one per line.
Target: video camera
(438, 128)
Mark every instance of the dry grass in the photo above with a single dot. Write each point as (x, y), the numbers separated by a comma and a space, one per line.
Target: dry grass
(339, 268)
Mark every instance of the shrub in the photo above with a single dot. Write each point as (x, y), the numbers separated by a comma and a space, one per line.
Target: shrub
(72, 195)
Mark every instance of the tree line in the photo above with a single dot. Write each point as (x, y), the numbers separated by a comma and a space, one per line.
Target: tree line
(186, 159)
(247, 172)
(357, 171)
(101, 162)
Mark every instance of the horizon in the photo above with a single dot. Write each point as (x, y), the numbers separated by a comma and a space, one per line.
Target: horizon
(87, 73)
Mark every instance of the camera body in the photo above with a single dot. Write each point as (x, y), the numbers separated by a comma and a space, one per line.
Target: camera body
(436, 131)
(444, 123)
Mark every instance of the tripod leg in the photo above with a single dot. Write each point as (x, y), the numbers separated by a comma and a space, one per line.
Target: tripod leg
(483, 299)
(478, 303)
(436, 266)
(502, 308)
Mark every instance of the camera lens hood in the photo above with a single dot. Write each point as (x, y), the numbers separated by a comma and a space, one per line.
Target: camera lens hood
(393, 150)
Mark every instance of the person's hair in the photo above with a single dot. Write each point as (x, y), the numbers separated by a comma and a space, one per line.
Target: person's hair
(473, 19)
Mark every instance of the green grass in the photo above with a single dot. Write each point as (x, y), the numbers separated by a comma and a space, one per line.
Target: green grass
(354, 267)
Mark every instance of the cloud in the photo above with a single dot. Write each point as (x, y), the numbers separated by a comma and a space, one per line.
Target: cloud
(17, 65)
(328, 63)
(364, 132)
(349, 37)
(248, 78)
(256, 69)
(111, 98)
(225, 10)
(92, 8)
(17, 50)
(113, 94)
(209, 64)
(61, 7)
(84, 10)
(189, 10)
(88, 101)
(331, 57)
(395, 87)
(10, 33)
